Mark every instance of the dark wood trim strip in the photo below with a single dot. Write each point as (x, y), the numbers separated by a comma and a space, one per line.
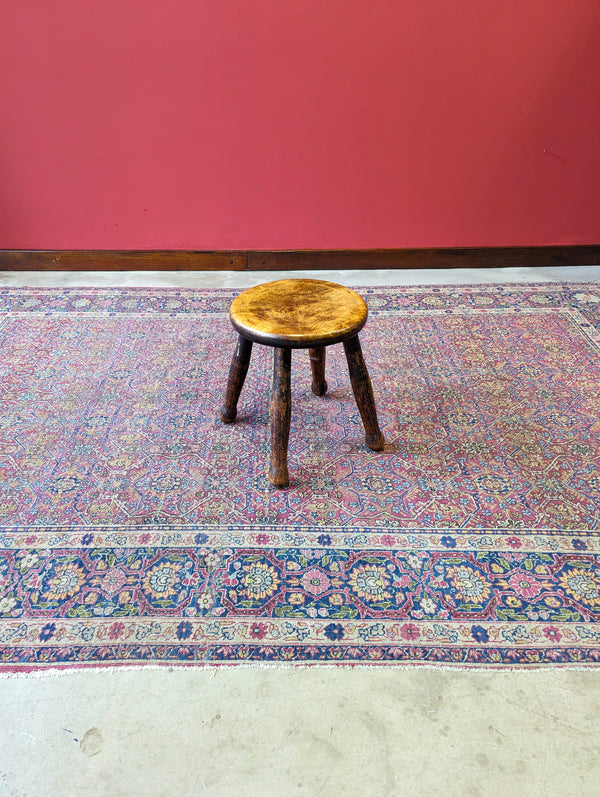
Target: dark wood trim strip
(296, 260)
(120, 260)
(471, 257)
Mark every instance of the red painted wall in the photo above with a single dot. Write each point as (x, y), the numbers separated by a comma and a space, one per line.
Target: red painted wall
(211, 124)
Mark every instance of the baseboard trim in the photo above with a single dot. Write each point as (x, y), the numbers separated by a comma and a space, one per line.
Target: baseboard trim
(120, 260)
(296, 260)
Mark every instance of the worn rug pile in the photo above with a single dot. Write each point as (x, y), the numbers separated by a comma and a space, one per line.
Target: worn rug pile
(136, 528)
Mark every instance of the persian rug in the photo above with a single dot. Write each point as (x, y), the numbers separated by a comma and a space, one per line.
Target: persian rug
(135, 528)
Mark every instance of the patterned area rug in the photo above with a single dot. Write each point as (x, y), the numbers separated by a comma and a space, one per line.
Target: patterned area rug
(136, 528)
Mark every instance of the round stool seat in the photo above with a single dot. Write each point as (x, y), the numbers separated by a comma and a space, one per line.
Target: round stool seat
(298, 313)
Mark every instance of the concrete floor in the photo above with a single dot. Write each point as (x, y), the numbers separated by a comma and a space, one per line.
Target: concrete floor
(309, 731)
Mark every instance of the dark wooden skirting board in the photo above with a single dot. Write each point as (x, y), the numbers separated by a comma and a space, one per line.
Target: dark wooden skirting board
(469, 257)
(296, 260)
(120, 260)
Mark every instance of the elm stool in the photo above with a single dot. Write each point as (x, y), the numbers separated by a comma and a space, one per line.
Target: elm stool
(299, 314)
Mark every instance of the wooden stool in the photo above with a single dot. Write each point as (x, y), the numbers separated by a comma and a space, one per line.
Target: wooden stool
(299, 314)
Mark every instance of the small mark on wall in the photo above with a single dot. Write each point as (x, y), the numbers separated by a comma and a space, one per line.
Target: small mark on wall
(554, 155)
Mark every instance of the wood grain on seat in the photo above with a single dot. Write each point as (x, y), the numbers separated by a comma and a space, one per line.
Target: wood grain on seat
(298, 313)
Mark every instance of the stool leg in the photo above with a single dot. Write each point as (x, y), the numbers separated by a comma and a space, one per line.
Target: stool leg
(363, 393)
(237, 375)
(317, 362)
(281, 413)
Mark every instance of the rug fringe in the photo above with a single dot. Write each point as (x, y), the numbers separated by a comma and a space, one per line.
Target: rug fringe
(214, 668)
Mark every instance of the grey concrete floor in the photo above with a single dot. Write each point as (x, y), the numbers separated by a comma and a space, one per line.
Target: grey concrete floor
(308, 731)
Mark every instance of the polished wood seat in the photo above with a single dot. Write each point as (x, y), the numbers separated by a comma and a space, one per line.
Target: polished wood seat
(299, 314)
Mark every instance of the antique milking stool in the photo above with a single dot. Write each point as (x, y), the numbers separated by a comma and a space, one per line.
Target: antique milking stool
(299, 314)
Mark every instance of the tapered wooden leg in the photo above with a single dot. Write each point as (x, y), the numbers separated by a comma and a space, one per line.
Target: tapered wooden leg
(317, 362)
(237, 375)
(281, 413)
(363, 393)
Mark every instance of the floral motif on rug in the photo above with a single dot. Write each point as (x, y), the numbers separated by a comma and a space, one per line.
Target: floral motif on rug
(136, 528)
